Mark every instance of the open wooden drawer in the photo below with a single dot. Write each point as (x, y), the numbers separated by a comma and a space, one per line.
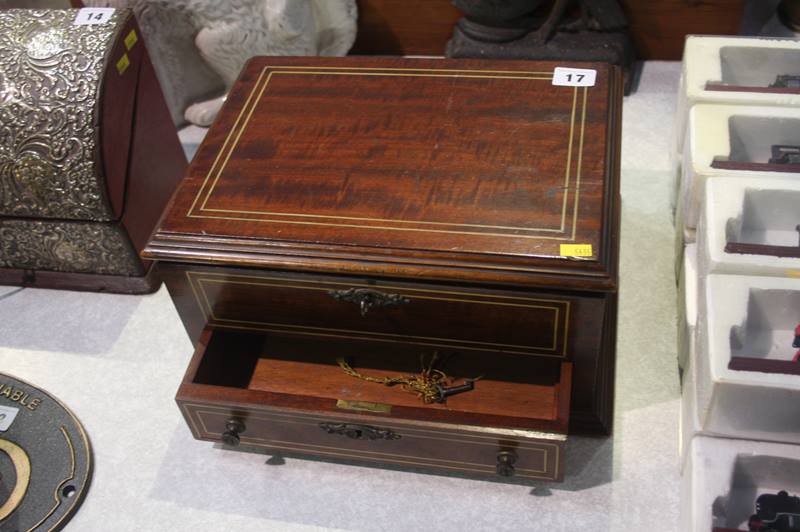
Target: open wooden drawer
(289, 395)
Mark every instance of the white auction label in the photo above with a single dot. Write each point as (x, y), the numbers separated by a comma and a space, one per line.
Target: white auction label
(7, 415)
(574, 77)
(93, 15)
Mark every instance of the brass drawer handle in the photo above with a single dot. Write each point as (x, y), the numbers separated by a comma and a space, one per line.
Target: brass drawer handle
(367, 299)
(505, 463)
(359, 432)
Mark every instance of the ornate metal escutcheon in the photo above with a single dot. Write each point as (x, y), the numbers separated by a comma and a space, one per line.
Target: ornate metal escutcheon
(359, 432)
(367, 299)
(505, 463)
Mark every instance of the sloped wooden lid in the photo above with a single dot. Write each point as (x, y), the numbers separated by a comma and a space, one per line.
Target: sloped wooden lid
(448, 169)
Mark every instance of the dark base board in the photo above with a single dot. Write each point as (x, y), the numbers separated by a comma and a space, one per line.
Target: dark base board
(764, 365)
(742, 88)
(86, 282)
(746, 248)
(755, 167)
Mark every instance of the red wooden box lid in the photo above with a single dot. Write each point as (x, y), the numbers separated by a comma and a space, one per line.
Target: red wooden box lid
(443, 169)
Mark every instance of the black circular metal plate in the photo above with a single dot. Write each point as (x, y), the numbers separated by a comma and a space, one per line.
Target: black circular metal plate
(45, 459)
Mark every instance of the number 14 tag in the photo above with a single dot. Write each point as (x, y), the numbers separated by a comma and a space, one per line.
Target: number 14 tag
(93, 15)
(574, 77)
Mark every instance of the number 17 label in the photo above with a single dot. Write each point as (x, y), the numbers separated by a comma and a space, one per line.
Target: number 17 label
(574, 77)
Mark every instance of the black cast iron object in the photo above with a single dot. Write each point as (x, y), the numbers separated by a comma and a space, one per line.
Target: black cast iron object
(776, 513)
(45, 459)
(787, 81)
(533, 29)
(783, 154)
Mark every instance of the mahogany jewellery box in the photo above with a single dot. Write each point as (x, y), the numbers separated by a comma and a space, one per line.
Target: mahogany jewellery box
(404, 262)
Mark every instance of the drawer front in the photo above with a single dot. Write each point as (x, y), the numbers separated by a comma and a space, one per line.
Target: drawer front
(428, 315)
(473, 452)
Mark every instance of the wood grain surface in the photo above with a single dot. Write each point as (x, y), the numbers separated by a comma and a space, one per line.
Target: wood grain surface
(438, 316)
(659, 27)
(450, 184)
(404, 27)
(218, 388)
(590, 329)
(509, 390)
(464, 164)
(275, 370)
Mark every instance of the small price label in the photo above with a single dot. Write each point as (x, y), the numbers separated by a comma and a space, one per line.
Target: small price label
(576, 250)
(7, 415)
(574, 77)
(793, 273)
(93, 15)
(131, 39)
(123, 64)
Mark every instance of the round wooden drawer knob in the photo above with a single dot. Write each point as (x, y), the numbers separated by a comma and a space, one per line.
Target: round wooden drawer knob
(233, 428)
(505, 463)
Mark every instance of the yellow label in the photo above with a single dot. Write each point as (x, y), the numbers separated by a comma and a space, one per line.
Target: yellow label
(123, 64)
(793, 273)
(576, 250)
(131, 39)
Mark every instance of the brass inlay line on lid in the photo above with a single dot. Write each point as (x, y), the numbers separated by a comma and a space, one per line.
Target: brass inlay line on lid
(578, 172)
(259, 88)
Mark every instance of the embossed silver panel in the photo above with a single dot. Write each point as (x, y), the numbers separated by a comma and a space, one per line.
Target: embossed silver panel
(50, 77)
(83, 247)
